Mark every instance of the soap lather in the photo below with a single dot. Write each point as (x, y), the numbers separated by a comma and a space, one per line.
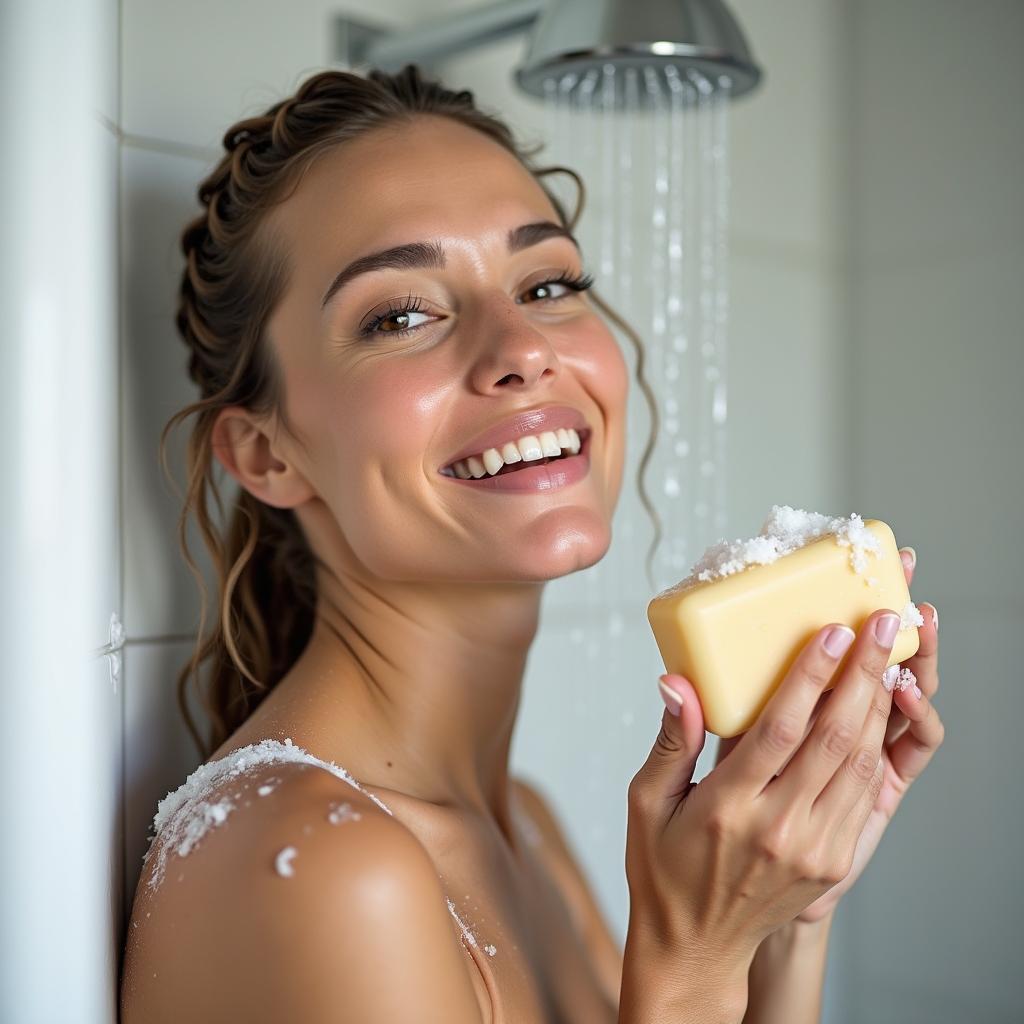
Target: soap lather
(736, 624)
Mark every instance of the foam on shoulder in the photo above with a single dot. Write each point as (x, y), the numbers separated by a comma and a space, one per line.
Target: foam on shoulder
(185, 816)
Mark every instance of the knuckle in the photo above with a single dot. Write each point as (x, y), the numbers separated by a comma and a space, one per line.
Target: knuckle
(877, 780)
(719, 823)
(817, 671)
(878, 711)
(837, 870)
(862, 765)
(773, 841)
(779, 734)
(637, 794)
(837, 737)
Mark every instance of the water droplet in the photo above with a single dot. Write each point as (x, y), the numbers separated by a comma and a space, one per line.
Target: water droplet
(682, 448)
(671, 486)
(707, 467)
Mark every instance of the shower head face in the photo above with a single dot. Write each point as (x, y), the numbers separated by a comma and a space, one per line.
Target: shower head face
(638, 46)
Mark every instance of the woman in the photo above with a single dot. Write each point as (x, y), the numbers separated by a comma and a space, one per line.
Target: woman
(379, 288)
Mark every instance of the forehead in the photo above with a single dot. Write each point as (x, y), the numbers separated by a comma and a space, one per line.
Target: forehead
(429, 177)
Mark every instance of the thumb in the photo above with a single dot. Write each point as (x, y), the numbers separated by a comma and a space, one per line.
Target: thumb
(665, 776)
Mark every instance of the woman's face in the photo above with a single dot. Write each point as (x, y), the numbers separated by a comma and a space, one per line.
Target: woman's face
(380, 413)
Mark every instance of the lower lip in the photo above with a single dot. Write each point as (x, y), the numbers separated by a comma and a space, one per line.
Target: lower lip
(548, 477)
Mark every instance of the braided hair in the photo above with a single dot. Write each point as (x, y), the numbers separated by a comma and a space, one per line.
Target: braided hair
(230, 283)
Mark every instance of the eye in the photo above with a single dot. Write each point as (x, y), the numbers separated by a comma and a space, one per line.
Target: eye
(404, 312)
(565, 279)
(409, 307)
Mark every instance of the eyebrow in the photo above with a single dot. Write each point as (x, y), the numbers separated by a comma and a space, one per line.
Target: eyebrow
(431, 254)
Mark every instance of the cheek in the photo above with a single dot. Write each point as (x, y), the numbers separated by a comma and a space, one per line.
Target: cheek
(607, 374)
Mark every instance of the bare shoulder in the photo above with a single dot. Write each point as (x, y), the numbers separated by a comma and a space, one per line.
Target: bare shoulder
(306, 904)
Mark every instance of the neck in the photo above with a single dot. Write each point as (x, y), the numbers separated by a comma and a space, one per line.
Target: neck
(417, 685)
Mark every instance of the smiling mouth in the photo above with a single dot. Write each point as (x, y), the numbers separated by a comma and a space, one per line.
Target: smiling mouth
(473, 466)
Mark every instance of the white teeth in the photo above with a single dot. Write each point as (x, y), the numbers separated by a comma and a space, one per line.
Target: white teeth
(529, 448)
(510, 453)
(493, 460)
(526, 449)
(549, 442)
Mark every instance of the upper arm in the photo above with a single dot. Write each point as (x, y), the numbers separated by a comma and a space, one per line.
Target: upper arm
(604, 948)
(359, 931)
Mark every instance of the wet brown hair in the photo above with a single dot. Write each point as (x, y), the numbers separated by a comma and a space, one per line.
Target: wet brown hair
(230, 284)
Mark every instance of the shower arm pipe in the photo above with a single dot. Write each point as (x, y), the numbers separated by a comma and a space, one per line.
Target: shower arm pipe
(440, 38)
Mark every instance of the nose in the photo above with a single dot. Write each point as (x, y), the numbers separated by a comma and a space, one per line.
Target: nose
(513, 352)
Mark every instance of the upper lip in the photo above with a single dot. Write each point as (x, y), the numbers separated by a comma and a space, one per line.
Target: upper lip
(529, 421)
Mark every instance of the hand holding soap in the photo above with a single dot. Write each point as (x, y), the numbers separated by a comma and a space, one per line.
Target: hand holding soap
(734, 626)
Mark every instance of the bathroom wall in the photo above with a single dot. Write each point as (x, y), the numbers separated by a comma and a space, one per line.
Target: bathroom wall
(935, 140)
(839, 243)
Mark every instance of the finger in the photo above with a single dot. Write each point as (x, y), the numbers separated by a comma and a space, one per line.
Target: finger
(925, 663)
(908, 556)
(911, 753)
(665, 777)
(781, 726)
(848, 831)
(838, 730)
(853, 778)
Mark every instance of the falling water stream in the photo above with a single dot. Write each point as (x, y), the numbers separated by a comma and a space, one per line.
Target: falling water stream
(654, 233)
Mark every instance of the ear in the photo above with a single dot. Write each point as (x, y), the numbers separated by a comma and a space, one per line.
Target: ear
(241, 444)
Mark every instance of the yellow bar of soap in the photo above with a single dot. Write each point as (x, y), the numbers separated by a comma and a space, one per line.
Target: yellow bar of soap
(736, 636)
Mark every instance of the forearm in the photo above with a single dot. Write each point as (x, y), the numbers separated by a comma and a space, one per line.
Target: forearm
(787, 975)
(660, 986)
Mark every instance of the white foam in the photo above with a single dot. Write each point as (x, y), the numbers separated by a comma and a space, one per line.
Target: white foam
(184, 817)
(283, 862)
(784, 531)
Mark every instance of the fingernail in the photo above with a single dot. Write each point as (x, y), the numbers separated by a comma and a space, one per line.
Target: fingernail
(889, 677)
(917, 692)
(935, 618)
(838, 639)
(913, 556)
(886, 627)
(673, 701)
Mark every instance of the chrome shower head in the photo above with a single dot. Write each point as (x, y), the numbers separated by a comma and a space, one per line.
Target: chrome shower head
(575, 40)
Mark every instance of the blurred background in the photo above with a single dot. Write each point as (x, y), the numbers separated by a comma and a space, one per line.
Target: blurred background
(876, 363)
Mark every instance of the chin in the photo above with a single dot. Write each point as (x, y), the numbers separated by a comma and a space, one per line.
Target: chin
(559, 548)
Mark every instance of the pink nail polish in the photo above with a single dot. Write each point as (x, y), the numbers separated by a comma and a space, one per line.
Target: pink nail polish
(935, 618)
(917, 692)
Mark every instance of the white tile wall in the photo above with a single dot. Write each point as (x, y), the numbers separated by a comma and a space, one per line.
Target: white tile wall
(937, 362)
(157, 199)
(191, 69)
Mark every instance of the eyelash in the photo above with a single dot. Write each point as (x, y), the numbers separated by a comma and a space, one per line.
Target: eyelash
(410, 305)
